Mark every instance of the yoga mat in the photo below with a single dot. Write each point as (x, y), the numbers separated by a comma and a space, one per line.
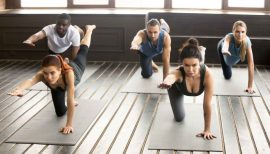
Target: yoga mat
(40, 86)
(138, 84)
(87, 73)
(43, 127)
(167, 134)
(235, 86)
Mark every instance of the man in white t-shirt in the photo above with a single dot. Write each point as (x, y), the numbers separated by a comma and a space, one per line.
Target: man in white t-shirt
(60, 36)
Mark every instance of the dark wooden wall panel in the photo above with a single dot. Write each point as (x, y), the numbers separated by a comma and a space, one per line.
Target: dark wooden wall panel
(111, 40)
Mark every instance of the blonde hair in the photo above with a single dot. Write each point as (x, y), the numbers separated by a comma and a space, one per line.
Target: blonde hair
(243, 44)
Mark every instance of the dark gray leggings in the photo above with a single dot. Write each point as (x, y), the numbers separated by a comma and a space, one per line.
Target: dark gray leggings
(177, 103)
(78, 65)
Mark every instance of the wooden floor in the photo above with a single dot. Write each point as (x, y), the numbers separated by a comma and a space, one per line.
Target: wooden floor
(124, 124)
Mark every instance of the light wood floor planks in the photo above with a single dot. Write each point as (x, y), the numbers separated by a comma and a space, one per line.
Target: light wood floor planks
(124, 124)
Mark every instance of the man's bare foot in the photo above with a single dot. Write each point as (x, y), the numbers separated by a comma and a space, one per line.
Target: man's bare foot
(80, 31)
(154, 66)
(66, 60)
(163, 23)
(90, 27)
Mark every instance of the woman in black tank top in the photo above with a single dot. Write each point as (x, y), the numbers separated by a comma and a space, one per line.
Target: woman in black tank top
(191, 79)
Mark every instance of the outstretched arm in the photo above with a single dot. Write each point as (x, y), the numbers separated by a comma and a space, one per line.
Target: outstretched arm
(166, 55)
(34, 38)
(170, 79)
(225, 47)
(208, 93)
(136, 42)
(18, 91)
(250, 71)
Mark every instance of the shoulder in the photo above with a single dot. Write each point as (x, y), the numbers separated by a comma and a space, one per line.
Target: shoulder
(39, 76)
(69, 76)
(141, 32)
(208, 77)
(72, 29)
(72, 32)
(49, 30)
(49, 27)
(248, 41)
(167, 38)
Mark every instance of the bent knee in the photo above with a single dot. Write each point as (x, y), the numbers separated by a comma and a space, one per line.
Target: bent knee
(60, 114)
(146, 75)
(227, 76)
(180, 118)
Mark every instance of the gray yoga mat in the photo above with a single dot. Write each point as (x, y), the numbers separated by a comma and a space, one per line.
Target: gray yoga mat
(138, 84)
(167, 134)
(235, 86)
(87, 73)
(40, 87)
(43, 127)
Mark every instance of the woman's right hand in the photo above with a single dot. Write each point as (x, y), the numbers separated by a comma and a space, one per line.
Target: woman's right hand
(16, 92)
(164, 85)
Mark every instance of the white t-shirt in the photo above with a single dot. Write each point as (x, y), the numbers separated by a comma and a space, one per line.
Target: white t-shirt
(58, 44)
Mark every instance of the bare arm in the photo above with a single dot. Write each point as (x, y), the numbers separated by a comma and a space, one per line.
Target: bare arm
(170, 79)
(70, 102)
(74, 52)
(208, 93)
(225, 47)
(34, 38)
(137, 40)
(166, 55)
(250, 70)
(18, 91)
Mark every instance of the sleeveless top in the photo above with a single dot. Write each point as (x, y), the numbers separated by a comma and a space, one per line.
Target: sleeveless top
(182, 87)
(234, 50)
(150, 50)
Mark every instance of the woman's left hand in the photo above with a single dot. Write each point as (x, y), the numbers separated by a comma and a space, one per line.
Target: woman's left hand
(66, 130)
(206, 135)
(250, 91)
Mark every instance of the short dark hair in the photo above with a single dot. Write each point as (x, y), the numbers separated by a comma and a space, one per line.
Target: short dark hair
(64, 16)
(153, 22)
(190, 51)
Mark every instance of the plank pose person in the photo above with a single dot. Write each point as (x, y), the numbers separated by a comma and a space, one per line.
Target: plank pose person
(61, 77)
(150, 42)
(60, 36)
(234, 47)
(192, 78)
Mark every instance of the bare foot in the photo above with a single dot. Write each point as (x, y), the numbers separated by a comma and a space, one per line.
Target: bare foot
(164, 23)
(80, 31)
(76, 103)
(66, 60)
(154, 66)
(90, 27)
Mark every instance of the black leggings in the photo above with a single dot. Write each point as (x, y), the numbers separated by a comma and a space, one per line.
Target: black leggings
(227, 70)
(177, 103)
(78, 65)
